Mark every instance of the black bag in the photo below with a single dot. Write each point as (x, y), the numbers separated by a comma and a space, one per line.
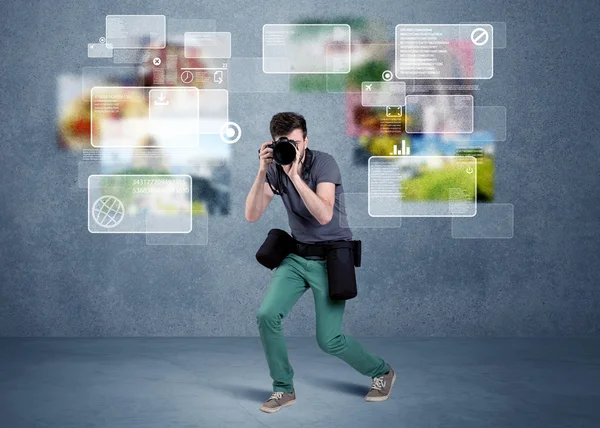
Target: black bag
(340, 270)
(276, 247)
(357, 250)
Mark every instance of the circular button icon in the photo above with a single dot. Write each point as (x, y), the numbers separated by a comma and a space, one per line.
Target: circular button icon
(102, 39)
(469, 170)
(187, 76)
(108, 211)
(156, 61)
(479, 36)
(387, 75)
(230, 132)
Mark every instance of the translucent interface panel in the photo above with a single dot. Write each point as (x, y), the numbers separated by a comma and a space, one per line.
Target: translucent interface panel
(490, 123)
(84, 170)
(177, 27)
(155, 117)
(198, 235)
(100, 50)
(357, 211)
(499, 32)
(208, 156)
(207, 44)
(306, 48)
(367, 60)
(439, 114)
(214, 110)
(245, 75)
(174, 115)
(493, 221)
(383, 94)
(130, 56)
(444, 51)
(140, 116)
(136, 31)
(114, 76)
(422, 186)
(213, 74)
(139, 203)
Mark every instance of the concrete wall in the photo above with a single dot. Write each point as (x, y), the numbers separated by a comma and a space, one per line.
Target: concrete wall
(57, 279)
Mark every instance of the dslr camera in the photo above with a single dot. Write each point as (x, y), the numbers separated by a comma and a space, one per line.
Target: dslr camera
(284, 150)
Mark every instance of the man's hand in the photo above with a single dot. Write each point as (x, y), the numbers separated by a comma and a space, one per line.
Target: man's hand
(293, 170)
(265, 156)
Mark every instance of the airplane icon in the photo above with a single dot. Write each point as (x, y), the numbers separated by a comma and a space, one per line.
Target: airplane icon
(368, 87)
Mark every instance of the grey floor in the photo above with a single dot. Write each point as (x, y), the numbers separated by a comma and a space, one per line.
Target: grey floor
(220, 382)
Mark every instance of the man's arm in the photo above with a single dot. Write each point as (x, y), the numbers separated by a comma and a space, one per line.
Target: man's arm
(319, 204)
(260, 195)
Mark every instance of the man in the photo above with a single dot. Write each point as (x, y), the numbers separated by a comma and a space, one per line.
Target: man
(316, 214)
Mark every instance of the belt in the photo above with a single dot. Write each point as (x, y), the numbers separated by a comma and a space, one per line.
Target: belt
(316, 251)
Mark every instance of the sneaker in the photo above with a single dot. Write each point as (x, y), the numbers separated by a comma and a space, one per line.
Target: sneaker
(381, 387)
(278, 400)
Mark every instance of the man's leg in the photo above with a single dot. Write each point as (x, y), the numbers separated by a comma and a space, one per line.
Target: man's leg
(285, 288)
(330, 314)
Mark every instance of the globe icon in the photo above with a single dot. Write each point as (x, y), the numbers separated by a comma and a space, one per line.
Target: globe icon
(108, 211)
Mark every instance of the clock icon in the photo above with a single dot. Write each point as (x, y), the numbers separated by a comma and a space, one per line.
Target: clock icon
(187, 76)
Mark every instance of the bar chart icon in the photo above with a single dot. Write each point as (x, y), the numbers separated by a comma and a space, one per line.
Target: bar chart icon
(405, 151)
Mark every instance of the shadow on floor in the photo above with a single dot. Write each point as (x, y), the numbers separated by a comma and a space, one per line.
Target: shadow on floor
(258, 395)
(337, 385)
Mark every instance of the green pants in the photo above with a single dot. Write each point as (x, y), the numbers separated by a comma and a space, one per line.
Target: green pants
(287, 285)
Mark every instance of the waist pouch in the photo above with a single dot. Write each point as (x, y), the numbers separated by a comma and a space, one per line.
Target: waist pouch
(340, 270)
(275, 248)
(341, 256)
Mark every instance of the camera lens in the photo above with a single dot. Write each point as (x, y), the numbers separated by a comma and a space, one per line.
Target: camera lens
(284, 152)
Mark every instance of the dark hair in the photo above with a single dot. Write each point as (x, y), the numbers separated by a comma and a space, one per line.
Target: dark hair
(285, 123)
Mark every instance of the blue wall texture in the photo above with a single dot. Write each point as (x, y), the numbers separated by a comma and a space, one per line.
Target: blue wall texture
(57, 279)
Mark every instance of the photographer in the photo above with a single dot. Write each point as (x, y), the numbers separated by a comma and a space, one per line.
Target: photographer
(310, 185)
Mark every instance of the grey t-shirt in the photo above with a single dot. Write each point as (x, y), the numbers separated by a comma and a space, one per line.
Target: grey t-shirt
(305, 228)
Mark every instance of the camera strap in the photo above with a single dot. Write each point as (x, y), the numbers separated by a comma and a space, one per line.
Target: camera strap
(307, 164)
